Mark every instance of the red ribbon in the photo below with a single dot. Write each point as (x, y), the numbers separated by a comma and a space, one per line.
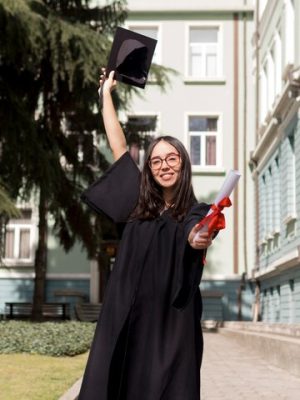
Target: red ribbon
(215, 220)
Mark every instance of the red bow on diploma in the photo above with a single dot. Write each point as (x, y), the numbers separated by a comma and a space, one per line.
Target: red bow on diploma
(215, 220)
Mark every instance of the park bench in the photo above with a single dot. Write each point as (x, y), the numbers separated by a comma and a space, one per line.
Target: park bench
(212, 304)
(51, 311)
(87, 312)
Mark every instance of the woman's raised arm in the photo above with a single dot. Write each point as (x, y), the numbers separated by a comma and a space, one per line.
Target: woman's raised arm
(114, 131)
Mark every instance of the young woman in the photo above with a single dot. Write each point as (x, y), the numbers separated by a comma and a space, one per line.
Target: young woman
(148, 341)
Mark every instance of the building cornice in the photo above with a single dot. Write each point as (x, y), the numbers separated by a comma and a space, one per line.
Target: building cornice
(288, 261)
(269, 134)
(184, 12)
(266, 17)
(190, 6)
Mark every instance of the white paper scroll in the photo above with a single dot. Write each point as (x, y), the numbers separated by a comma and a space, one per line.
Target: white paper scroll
(229, 184)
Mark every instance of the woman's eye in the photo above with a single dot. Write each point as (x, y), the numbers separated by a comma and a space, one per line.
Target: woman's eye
(155, 162)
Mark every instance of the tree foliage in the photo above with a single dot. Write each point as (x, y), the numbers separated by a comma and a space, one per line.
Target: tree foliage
(50, 56)
(49, 64)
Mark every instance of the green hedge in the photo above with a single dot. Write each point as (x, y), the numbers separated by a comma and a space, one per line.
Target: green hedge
(47, 338)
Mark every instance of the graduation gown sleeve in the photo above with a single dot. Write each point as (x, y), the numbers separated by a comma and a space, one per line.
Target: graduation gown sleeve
(189, 263)
(116, 192)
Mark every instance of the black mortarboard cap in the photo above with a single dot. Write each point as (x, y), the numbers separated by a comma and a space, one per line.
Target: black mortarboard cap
(130, 57)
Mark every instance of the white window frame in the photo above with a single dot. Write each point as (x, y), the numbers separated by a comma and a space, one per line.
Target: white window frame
(262, 7)
(157, 59)
(262, 210)
(218, 168)
(263, 92)
(154, 133)
(17, 227)
(277, 194)
(219, 76)
(289, 45)
(271, 75)
(278, 61)
(270, 80)
(291, 205)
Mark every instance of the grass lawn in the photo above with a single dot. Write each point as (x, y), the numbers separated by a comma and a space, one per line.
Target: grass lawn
(35, 377)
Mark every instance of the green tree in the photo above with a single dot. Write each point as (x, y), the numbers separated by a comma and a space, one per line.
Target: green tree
(50, 54)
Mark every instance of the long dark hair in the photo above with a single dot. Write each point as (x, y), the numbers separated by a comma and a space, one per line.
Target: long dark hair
(151, 201)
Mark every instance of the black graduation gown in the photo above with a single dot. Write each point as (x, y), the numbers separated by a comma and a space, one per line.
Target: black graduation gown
(148, 341)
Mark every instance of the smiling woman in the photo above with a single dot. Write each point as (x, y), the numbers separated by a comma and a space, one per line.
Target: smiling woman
(165, 164)
(152, 308)
(166, 180)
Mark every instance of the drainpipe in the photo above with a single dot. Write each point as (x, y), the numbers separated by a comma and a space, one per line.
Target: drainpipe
(256, 200)
(235, 138)
(245, 168)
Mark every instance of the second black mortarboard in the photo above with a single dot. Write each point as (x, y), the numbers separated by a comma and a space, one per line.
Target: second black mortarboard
(130, 57)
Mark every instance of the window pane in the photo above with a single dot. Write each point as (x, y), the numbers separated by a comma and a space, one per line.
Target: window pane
(25, 217)
(212, 124)
(196, 65)
(24, 248)
(196, 124)
(203, 35)
(211, 65)
(9, 243)
(211, 150)
(141, 124)
(202, 124)
(195, 150)
(150, 31)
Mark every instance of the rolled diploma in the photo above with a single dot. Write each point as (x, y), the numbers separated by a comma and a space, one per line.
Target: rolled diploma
(229, 184)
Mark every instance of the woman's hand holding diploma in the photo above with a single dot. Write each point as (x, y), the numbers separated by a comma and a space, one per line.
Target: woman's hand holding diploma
(202, 241)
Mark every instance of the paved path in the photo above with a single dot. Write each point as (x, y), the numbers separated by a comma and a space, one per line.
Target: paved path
(231, 372)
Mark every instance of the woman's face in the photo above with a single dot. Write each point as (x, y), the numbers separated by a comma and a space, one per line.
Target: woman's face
(165, 164)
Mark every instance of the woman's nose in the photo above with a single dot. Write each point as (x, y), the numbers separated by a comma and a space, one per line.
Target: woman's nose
(164, 165)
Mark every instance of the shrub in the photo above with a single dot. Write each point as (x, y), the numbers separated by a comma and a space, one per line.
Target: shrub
(46, 338)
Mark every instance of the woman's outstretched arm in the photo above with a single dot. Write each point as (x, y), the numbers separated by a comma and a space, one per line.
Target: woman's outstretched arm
(113, 129)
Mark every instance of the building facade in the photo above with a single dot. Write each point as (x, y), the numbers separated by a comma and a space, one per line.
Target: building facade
(209, 106)
(276, 160)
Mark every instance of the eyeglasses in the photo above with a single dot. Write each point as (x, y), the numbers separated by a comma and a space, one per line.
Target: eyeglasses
(172, 160)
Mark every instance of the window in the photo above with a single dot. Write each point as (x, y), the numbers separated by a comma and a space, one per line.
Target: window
(262, 6)
(262, 208)
(18, 238)
(263, 94)
(140, 130)
(277, 206)
(271, 80)
(270, 200)
(291, 176)
(152, 32)
(271, 76)
(204, 52)
(203, 136)
(289, 32)
(278, 62)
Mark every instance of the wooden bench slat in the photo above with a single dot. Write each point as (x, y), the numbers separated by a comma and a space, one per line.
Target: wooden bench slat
(88, 312)
(24, 310)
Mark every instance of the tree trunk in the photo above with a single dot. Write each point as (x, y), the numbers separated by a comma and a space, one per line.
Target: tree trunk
(40, 264)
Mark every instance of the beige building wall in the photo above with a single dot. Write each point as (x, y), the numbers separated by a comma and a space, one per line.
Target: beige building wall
(229, 97)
